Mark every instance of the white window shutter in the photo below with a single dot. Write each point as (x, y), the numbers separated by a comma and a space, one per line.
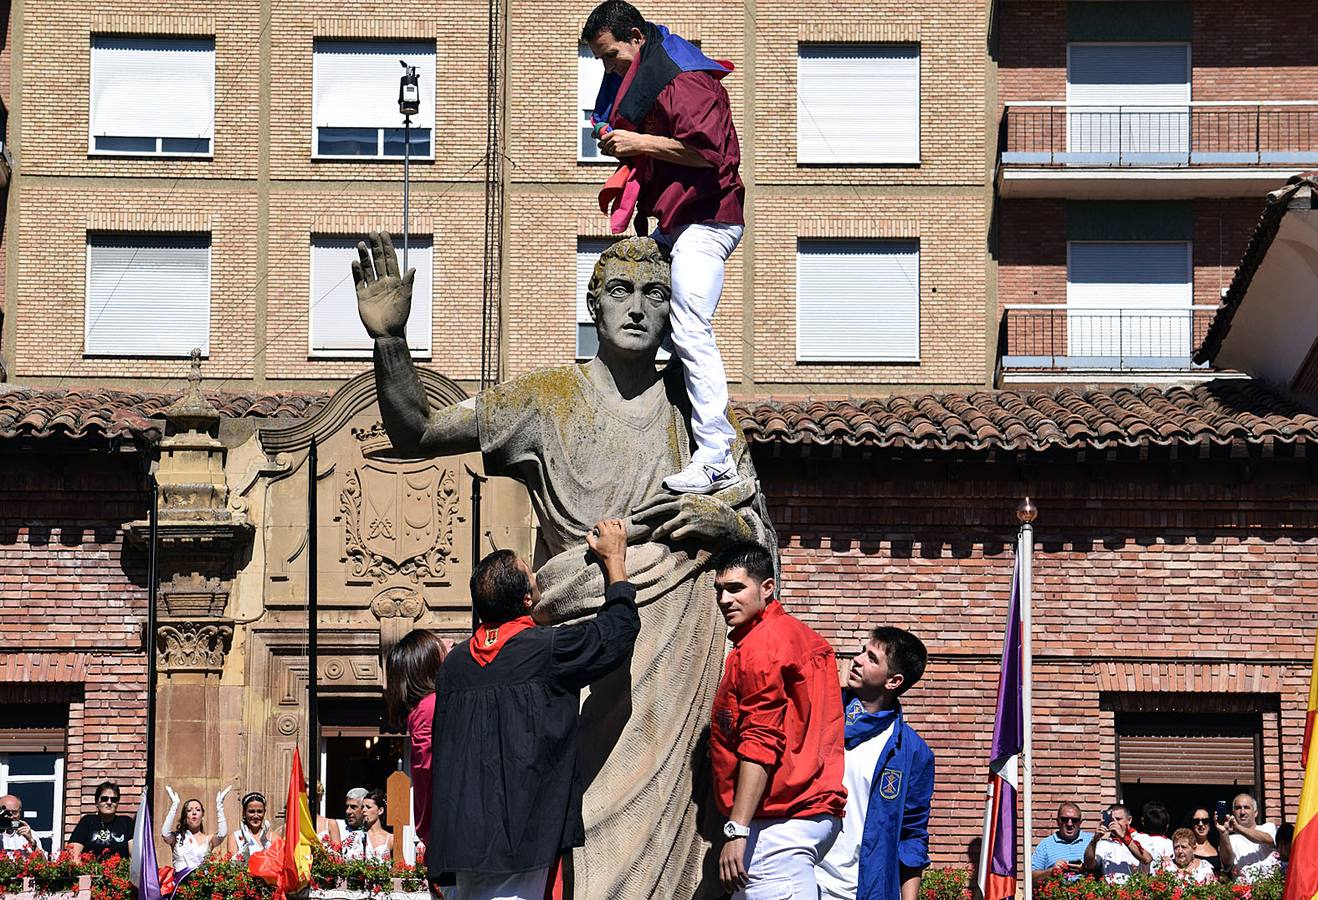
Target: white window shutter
(336, 328)
(858, 301)
(355, 83)
(858, 103)
(1129, 298)
(147, 295)
(1130, 98)
(152, 87)
(588, 253)
(590, 73)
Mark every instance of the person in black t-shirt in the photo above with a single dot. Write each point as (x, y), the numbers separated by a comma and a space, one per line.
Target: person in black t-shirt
(103, 833)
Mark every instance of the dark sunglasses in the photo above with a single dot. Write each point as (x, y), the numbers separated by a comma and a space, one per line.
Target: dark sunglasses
(107, 799)
(1199, 821)
(1069, 820)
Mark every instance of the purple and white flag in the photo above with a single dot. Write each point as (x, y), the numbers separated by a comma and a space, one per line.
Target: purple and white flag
(997, 860)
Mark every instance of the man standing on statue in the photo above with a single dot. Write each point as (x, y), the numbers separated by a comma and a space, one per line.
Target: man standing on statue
(775, 742)
(668, 118)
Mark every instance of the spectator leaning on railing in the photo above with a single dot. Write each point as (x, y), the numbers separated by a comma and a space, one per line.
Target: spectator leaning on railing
(1183, 863)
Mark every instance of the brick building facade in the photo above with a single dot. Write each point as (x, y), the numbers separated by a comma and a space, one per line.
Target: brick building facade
(1176, 535)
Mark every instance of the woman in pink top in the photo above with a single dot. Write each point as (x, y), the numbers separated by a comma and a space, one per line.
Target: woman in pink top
(410, 671)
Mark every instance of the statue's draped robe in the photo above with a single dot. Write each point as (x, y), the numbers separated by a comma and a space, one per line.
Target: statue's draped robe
(583, 459)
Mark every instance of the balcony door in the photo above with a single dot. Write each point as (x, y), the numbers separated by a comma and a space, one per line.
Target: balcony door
(1129, 303)
(1128, 102)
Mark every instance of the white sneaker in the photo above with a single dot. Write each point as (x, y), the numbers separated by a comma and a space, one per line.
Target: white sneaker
(703, 478)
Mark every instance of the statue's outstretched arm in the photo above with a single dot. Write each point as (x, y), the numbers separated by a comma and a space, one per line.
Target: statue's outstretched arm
(384, 300)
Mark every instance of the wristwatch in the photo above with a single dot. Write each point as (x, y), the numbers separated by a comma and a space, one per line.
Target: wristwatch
(732, 830)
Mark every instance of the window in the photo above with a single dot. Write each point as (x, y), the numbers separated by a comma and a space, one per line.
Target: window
(858, 103)
(336, 329)
(32, 765)
(148, 294)
(355, 107)
(858, 301)
(152, 95)
(590, 72)
(1130, 300)
(1127, 99)
(588, 253)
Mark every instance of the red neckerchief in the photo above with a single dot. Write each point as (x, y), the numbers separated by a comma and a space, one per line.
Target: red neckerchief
(490, 639)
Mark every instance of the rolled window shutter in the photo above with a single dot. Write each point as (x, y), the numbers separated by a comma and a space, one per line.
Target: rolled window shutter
(858, 103)
(858, 301)
(1125, 298)
(1103, 80)
(590, 72)
(588, 253)
(356, 83)
(148, 295)
(336, 326)
(152, 87)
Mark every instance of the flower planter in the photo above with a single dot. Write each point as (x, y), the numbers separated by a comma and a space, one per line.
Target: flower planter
(83, 891)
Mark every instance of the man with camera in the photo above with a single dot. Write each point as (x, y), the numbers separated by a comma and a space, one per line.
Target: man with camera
(1115, 853)
(15, 833)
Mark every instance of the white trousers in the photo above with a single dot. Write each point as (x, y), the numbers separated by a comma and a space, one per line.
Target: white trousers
(782, 855)
(699, 256)
(522, 886)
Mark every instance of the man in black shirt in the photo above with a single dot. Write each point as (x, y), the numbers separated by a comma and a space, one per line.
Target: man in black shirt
(507, 782)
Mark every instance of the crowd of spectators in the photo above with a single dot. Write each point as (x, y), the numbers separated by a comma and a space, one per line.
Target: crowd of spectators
(1221, 842)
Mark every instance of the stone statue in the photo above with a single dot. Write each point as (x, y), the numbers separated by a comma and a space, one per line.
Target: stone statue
(593, 441)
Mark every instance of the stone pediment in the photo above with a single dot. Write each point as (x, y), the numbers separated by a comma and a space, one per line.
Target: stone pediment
(347, 404)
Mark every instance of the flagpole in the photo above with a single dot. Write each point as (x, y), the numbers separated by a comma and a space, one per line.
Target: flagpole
(313, 608)
(1026, 513)
(152, 591)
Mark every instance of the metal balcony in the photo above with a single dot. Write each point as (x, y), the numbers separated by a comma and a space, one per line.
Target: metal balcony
(1038, 342)
(1203, 149)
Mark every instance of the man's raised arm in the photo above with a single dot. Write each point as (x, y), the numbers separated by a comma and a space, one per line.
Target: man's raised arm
(384, 301)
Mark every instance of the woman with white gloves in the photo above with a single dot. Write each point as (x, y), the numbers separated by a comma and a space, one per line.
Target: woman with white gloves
(190, 840)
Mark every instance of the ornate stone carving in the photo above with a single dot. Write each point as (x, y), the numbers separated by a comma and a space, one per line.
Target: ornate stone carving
(398, 521)
(397, 608)
(193, 645)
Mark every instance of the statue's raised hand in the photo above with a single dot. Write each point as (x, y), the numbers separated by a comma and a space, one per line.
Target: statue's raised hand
(384, 299)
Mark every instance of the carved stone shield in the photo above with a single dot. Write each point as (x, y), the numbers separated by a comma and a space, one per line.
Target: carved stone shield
(398, 520)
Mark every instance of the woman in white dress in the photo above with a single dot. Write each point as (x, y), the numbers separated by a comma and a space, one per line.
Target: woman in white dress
(254, 832)
(372, 842)
(191, 841)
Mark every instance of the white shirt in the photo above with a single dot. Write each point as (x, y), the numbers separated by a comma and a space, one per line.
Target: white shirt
(1115, 861)
(189, 853)
(1199, 871)
(1159, 847)
(839, 871)
(16, 842)
(1253, 859)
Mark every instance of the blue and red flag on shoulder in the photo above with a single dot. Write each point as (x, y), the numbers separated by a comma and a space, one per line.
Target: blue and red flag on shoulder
(997, 859)
(624, 101)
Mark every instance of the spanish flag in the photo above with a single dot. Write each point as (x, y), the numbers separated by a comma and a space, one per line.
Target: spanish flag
(287, 862)
(1302, 878)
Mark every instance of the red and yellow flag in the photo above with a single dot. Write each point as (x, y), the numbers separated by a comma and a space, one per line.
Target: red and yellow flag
(1302, 877)
(287, 862)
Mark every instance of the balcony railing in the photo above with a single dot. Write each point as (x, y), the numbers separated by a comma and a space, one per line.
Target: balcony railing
(1052, 337)
(1206, 133)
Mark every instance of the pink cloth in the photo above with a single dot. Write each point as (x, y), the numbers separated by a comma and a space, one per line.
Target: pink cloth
(419, 722)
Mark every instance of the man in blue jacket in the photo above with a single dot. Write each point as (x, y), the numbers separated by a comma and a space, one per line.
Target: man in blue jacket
(884, 845)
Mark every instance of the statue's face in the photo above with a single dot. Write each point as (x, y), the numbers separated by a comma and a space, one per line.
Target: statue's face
(631, 312)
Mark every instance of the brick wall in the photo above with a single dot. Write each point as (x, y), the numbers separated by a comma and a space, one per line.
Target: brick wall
(263, 191)
(1031, 248)
(63, 568)
(1146, 579)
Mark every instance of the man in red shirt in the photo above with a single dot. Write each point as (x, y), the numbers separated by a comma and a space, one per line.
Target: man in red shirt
(671, 121)
(776, 740)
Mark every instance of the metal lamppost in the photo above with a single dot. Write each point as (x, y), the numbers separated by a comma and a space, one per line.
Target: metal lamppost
(409, 105)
